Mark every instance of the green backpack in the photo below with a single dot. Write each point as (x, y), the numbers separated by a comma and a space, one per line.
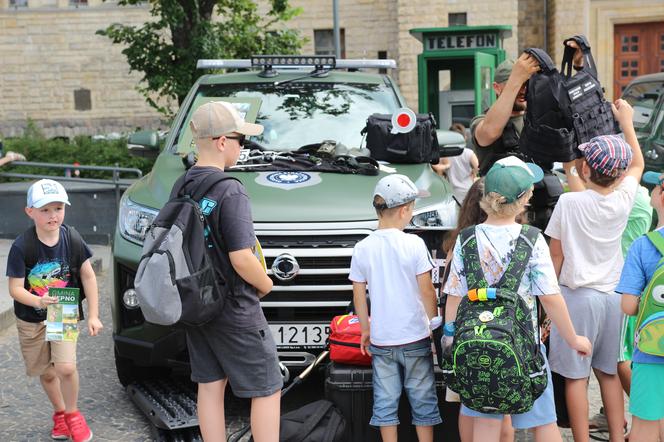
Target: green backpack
(649, 328)
(495, 363)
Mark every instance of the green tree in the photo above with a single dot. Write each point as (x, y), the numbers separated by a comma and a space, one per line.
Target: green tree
(167, 48)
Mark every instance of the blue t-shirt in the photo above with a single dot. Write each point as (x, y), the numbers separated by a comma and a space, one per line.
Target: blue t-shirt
(640, 265)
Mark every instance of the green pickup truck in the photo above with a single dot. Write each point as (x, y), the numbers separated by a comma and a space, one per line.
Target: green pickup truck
(306, 221)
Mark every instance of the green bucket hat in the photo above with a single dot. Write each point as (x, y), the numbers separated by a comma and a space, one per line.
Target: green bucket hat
(511, 178)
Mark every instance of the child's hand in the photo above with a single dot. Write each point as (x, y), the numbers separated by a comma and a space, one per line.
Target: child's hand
(582, 346)
(45, 301)
(94, 326)
(365, 341)
(623, 112)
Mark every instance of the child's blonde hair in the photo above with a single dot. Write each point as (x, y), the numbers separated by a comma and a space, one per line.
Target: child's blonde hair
(494, 204)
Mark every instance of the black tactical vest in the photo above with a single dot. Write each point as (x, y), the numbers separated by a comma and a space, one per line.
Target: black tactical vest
(506, 145)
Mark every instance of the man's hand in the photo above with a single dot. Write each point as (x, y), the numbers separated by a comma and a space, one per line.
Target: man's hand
(577, 60)
(365, 341)
(623, 112)
(94, 326)
(582, 346)
(524, 68)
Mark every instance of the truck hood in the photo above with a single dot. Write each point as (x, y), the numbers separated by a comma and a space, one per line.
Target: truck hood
(303, 196)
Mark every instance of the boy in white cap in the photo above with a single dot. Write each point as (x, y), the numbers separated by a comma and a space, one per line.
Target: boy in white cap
(61, 259)
(237, 346)
(395, 266)
(507, 188)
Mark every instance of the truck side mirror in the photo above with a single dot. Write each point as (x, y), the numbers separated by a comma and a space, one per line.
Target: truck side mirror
(144, 143)
(450, 143)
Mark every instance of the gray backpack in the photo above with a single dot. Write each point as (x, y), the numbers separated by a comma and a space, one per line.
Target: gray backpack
(175, 281)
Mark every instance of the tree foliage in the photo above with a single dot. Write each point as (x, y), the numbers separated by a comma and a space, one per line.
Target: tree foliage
(167, 48)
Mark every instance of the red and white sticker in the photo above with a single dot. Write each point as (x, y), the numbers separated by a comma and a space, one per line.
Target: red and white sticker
(403, 121)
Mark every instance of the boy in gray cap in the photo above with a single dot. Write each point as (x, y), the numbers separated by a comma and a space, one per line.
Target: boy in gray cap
(236, 347)
(396, 266)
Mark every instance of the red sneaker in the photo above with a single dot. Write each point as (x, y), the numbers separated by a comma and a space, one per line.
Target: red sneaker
(60, 429)
(78, 428)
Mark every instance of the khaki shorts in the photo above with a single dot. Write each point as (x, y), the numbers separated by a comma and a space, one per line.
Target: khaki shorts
(38, 353)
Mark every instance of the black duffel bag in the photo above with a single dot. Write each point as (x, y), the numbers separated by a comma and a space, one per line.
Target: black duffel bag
(420, 145)
(547, 134)
(319, 421)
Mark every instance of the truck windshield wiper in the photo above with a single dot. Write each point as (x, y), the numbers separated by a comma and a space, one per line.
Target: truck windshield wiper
(314, 73)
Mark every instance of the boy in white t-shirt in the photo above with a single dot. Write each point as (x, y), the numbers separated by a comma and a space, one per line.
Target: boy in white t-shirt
(586, 229)
(396, 266)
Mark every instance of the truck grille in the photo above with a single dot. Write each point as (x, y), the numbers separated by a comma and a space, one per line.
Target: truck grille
(321, 288)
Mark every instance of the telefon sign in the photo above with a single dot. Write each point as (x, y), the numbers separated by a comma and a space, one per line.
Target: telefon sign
(461, 41)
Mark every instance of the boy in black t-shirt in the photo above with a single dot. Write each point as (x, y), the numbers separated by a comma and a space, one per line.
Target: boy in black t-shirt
(54, 362)
(236, 347)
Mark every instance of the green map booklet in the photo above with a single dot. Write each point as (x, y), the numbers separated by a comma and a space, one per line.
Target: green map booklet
(62, 318)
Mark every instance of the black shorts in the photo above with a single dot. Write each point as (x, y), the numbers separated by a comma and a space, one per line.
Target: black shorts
(248, 358)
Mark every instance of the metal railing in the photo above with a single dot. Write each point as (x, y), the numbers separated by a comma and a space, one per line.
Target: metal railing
(116, 181)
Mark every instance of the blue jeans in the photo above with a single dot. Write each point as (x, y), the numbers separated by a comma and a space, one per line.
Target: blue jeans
(409, 367)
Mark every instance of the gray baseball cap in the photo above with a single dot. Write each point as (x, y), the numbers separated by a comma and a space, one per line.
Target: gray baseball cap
(398, 189)
(503, 71)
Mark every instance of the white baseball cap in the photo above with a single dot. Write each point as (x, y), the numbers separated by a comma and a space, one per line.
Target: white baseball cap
(398, 189)
(217, 118)
(46, 191)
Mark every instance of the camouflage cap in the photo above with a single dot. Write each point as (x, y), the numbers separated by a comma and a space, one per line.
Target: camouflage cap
(503, 71)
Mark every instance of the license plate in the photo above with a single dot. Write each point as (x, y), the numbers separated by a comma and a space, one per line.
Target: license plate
(286, 335)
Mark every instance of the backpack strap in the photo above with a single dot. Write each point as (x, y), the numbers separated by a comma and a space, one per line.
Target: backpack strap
(471, 259)
(313, 420)
(76, 260)
(568, 57)
(657, 240)
(544, 60)
(31, 246)
(513, 274)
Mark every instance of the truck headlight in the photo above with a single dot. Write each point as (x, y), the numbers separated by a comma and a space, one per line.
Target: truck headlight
(441, 216)
(134, 220)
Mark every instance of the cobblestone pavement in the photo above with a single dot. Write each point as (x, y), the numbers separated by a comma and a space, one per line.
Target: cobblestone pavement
(25, 413)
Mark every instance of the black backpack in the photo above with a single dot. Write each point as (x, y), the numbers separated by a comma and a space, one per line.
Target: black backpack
(547, 134)
(420, 145)
(319, 421)
(176, 281)
(589, 111)
(564, 110)
(76, 258)
(495, 364)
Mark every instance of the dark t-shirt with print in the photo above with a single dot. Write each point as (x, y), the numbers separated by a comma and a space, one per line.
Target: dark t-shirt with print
(228, 212)
(51, 270)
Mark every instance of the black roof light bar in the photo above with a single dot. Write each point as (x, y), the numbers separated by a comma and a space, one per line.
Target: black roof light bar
(268, 62)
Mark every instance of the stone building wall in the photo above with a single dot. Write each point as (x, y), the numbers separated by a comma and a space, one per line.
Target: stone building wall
(49, 50)
(531, 20)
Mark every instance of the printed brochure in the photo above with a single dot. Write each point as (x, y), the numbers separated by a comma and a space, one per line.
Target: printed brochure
(62, 318)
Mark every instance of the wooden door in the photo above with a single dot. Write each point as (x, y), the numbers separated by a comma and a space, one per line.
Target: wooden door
(638, 50)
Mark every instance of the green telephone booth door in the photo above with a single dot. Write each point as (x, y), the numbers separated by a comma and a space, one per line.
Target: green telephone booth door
(484, 94)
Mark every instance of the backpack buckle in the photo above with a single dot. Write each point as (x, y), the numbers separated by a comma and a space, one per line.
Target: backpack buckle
(483, 294)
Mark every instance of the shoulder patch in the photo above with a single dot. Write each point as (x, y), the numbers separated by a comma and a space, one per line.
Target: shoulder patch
(207, 205)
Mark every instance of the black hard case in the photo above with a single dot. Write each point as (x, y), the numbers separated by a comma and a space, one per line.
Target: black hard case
(350, 389)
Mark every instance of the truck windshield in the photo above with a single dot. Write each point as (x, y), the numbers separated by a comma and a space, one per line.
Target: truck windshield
(297, 114)
(643, 98)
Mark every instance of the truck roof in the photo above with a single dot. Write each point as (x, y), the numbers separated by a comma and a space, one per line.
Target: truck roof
(334, 76)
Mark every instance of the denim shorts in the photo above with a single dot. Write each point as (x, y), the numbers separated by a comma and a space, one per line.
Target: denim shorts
(542, 413)
(400, 367)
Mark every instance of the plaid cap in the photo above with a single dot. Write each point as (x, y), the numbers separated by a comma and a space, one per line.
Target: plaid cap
(609, 155)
